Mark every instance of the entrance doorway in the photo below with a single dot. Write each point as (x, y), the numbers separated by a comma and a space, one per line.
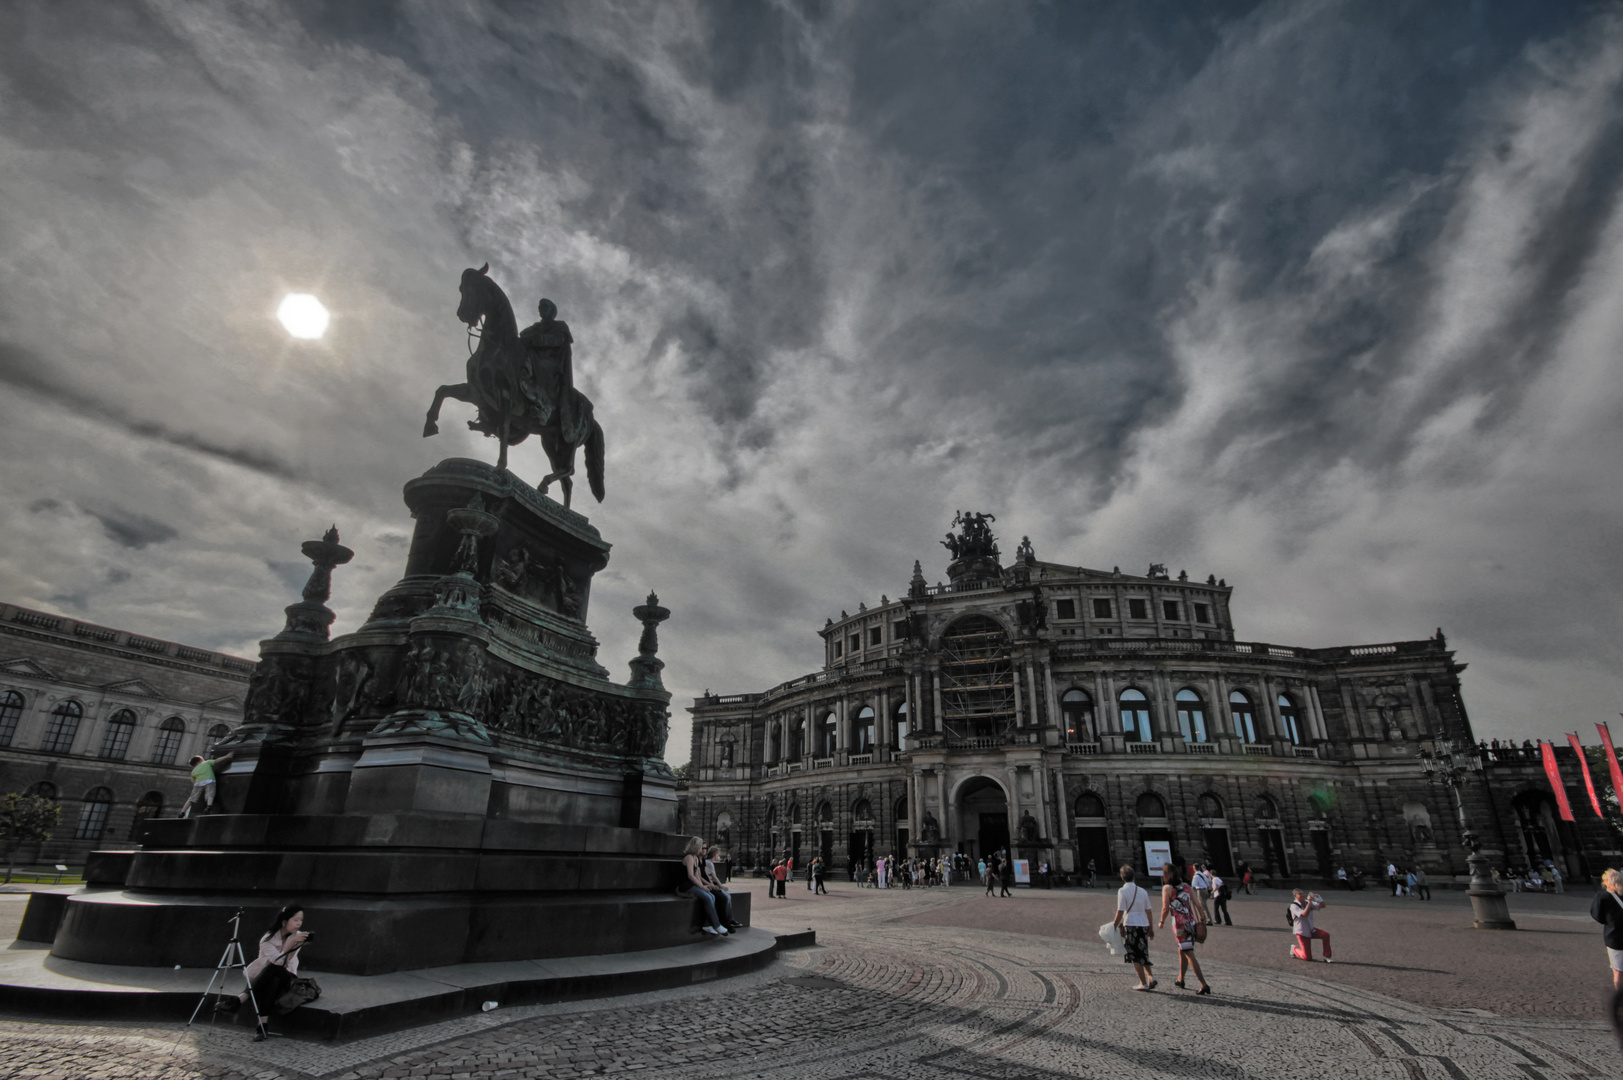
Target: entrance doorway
(861, 849)
(983, 816)
(827, 848)
(1093, 845)
(1218, 851)
(1321, 850)
(1273, 852)
(994, 833)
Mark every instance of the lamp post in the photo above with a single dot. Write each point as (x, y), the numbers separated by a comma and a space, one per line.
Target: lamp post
(1452, 765)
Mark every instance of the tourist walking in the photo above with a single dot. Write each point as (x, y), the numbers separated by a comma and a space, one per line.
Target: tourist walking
(1301, 913)
(1006, 875)
(1420, 888)
(1202, 885)
(986, 875)
(1187, 920)
(1220, 901)
(1093, 875)
(1607, 909)
(1133, 920)
(780, 876)
(818, 873)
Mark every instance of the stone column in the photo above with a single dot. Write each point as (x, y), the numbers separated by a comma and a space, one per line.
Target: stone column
(842, 727)
(1320, 729)
(1039, 785)
(1014, 675)
(1062, 810)
(881, 721)
(1033, 690)
(949, 808)
(937, 721)
(1014, 805)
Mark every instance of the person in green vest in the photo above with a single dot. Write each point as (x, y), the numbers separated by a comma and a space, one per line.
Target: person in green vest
(203, 782)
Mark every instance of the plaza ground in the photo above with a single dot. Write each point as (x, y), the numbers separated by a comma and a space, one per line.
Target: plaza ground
(950, 983)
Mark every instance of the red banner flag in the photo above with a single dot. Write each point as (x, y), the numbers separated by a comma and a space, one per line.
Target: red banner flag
(1589, 781)
(1553, 771)
(1611, 760)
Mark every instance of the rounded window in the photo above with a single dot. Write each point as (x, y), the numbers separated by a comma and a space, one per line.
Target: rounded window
(1191, 716)
(1151, 805)
(1089, 805)
(1244, 716)
(115, 742)
(1077, 708)
(93, 814)
(1135, 716)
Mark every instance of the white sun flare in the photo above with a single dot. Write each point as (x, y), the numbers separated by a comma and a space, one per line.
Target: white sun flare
(303, 316)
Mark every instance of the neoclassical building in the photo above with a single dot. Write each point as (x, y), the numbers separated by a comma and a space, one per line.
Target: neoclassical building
(1077, 715)
(103, 721)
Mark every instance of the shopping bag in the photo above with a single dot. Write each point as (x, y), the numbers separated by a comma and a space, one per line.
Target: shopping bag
(1110, 934)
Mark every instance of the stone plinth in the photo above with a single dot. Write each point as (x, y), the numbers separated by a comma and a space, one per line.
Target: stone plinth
(458, 781)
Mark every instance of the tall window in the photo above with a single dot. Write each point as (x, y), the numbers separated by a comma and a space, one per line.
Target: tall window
(1289, 719)
(1065, 609)
(1245, 718)
(1101, 608)
(11, 711)
(862, 732)
(773, 738)
(901, 725)
(826, 735)
(1135, 715)
(1138, 609)
(216, 733)
(1077, 708)
(797, 741)
(93, 815)
(168, 744)
(1191, 716)
(62, 727)
(147, 807)
(1169, 609)
(115, 743)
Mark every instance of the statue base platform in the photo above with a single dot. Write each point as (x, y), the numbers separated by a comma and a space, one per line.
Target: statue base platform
(35, 983)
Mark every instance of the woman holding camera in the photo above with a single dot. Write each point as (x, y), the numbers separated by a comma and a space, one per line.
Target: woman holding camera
(272, 973)
(1302, 925)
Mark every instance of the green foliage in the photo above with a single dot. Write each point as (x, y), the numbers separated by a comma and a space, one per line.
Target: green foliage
(682, 770)
(25, 819)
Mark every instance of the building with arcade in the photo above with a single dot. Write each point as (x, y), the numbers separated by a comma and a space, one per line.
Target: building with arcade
(1083, 716)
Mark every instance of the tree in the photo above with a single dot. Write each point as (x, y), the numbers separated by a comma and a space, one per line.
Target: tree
(25, 819)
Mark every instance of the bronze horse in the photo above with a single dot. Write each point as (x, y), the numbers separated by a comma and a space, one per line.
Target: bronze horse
(522, 386)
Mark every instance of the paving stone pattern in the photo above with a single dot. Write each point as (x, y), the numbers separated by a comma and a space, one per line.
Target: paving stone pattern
(883, 997)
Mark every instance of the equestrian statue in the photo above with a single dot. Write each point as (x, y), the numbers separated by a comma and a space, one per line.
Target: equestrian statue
(523, 384)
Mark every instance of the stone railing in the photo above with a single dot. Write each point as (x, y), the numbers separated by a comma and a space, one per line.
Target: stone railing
(1143, 748)
(862, 759)
(1305, 751)
(823, 763)
(1200, 748)
(1084, 748)
(1259, 749)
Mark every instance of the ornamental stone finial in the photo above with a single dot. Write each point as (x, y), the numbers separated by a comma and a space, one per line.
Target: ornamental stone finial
(646, 667)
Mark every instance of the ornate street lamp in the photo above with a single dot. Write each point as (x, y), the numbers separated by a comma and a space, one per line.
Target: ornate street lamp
(1452, 766)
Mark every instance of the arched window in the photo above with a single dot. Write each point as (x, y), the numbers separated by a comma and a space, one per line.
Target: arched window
(862, 732)
(1191, 716)
(1135, 716)
(93, 815)
(1289, 720)
(773, 738)
(901, 808)
(1077, 708)
(1245, 718)
(1089, 805)
(147, 807)
(825, 815)
(797, 741)
(11, 711)
(862, 811)
(771, 817)
(794, 813)
(724, 829)
(1267, 809)
(115, 743)
(44, 790)
(62, 727)
(1150, 805)
(168, 744)
(216, 733)
(827, 729)
(1210, 806)
(900, 716)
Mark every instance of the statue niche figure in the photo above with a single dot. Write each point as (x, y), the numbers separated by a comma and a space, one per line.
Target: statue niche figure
(523, 385)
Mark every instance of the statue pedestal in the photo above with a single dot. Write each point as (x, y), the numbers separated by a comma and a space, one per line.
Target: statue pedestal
(455, 782)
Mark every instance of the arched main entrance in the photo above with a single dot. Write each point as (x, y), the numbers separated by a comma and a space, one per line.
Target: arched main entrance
(983, 817)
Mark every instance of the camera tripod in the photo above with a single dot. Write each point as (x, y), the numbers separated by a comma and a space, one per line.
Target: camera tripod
(230, 960)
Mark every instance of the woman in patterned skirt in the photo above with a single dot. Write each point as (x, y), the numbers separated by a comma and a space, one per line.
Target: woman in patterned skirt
(1133, 920)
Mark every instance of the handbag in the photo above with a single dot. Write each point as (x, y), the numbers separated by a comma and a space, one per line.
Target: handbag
(301, 991)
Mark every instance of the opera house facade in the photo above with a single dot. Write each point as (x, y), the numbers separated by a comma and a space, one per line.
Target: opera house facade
(1083, 716)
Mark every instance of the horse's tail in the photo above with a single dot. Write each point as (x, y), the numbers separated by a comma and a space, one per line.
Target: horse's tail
(594, 459)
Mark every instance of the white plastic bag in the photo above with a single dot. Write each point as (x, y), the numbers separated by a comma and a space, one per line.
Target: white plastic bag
(1111, 936)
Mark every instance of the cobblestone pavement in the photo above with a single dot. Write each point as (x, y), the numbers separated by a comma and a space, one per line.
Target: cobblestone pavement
(889, 994)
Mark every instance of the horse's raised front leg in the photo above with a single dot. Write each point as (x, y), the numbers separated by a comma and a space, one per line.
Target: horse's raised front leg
(450, 390)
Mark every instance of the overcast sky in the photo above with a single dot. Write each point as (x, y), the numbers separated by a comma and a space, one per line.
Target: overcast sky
(1323, 298)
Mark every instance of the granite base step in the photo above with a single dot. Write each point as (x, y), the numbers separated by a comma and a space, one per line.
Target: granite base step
(35, 983)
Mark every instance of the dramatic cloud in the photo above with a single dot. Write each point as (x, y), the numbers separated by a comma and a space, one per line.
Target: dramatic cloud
(1318, 297)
